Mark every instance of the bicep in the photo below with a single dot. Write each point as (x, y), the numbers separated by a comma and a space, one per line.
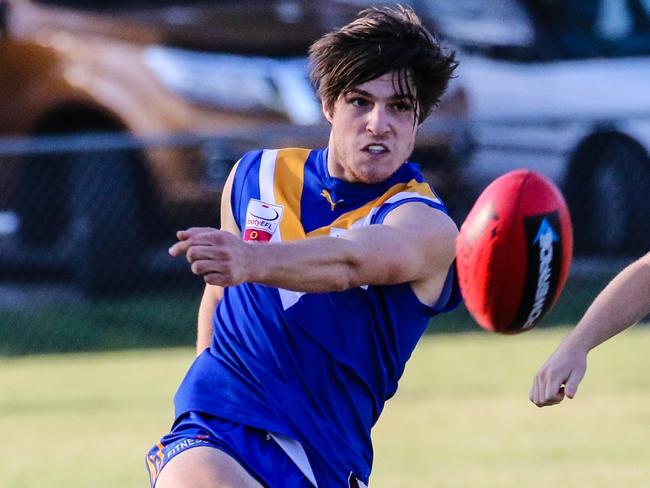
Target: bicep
(645, 262)
(415, 242)
(430, 232)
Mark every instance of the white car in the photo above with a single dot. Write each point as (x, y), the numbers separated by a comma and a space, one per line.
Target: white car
(561, 87)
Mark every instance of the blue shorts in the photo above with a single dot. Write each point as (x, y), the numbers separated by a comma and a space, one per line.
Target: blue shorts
(253, 449)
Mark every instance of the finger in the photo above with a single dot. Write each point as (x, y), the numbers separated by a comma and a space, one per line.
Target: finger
(555, 385)
(185, 234)
(207, 266)
(190, 238)
(535, 395)
(572, 383)
(541, 399)
(199, 252)
(532, 395)
(540, 393)
(179, 248)
(216, 279)
(553, 399)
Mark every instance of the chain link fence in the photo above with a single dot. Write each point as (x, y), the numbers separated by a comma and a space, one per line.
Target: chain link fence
(86, 221)
(99, 211)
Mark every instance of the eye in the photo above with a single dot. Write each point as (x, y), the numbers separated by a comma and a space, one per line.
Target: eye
(358, 102)
(402, 107)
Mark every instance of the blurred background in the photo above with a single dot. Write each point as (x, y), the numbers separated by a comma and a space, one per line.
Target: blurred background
(120, 120)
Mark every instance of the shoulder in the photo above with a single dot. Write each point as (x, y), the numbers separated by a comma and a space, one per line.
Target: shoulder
(411, 193)
(645, 260)
(248, 161)
(267, 159)
(431, 230)
(421, 215)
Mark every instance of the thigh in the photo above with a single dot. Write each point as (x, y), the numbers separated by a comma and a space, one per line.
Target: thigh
(204, 450)
(204, 467)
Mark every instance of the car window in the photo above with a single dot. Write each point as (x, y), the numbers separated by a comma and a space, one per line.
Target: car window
(549, 29)
(477, 22)
(577, 29)
(499, 28)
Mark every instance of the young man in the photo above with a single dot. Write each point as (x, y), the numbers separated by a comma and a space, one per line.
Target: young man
(327, 269)
(621, 304)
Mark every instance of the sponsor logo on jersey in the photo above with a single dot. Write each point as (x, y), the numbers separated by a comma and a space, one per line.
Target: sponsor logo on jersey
(183, 445)
(262, 220)
(326, 194)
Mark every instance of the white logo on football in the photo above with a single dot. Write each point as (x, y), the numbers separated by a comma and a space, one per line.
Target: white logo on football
(545, 237)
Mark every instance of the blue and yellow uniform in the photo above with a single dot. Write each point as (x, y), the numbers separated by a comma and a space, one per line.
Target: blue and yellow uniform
(314, 367)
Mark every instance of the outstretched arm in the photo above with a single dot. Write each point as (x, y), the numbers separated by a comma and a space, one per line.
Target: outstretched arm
(621, 304)
(415, 244)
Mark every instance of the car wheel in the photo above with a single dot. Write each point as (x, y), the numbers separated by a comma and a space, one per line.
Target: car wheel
(607, 195)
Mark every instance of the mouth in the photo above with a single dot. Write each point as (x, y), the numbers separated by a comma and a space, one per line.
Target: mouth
(376, 149)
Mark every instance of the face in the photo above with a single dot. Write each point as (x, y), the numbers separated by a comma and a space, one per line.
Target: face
(373, 131)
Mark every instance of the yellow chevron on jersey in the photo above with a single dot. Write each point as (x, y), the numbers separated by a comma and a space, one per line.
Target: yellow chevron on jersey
(290, 177)
(288, 188)
(358, 216)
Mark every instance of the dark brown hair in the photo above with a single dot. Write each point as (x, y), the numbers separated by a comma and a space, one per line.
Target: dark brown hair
(379, 41)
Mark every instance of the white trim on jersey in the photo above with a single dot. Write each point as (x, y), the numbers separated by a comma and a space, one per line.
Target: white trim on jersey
(403, 195)
(267, 194)
(398, 197)
(297, 454)
(293, 448)
(267, 177)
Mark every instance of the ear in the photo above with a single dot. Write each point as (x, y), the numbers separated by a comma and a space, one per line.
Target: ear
(326, 112)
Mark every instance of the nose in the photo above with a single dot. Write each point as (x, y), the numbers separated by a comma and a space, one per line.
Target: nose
(378, 123)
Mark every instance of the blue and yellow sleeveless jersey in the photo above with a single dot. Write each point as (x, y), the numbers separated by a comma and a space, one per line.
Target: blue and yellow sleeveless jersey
(316, 367)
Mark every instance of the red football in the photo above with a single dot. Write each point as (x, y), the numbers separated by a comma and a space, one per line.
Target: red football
(514, 252)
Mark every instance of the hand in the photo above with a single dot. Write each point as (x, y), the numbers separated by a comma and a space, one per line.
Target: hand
(218, 256)
(559, 377)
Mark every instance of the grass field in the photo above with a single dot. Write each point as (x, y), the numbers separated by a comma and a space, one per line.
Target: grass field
(461, 418)
(156, 320)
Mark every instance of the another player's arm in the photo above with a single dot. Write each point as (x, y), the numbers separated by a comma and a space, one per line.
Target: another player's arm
(621, 304)
(213, 293)
(414, 244)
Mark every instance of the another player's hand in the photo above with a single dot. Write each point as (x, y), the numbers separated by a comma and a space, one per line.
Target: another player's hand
(559, 377)
(218, 256)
